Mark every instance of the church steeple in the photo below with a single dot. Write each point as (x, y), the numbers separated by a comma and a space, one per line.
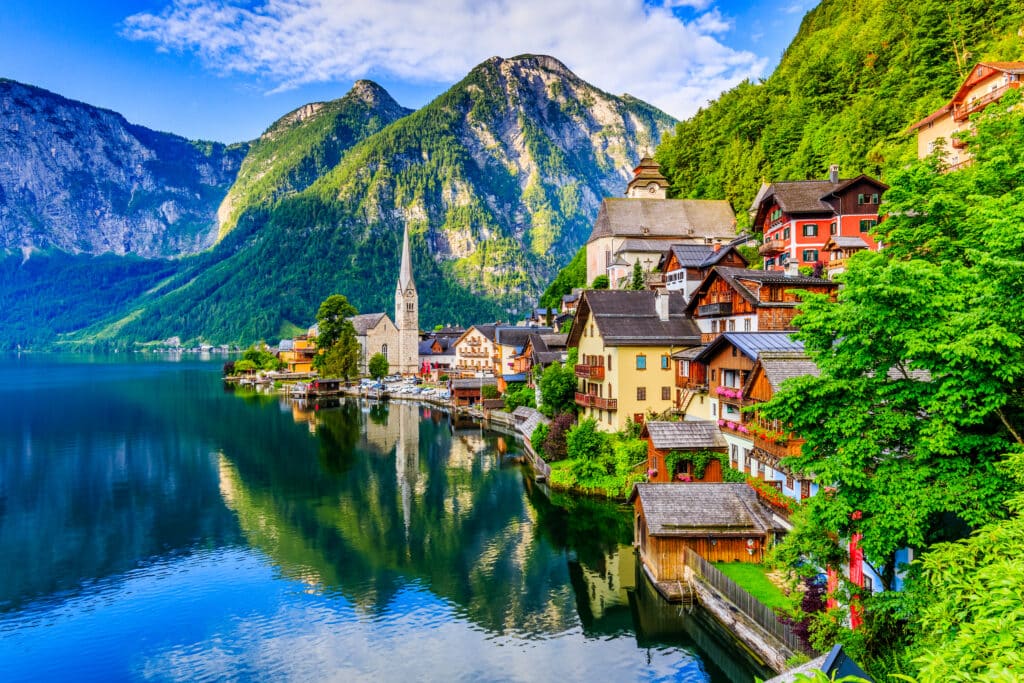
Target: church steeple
(407, 314)
(405, 280)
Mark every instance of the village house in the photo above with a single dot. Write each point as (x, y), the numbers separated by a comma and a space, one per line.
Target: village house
(684, 266)
(468, 391)
(297, 353)
(625, 341)
(687, 438)
(720, 522)
(987, 82)
(691, 385)
(541, 350)
(742, 300)
(569, 302)
(475, 351)
(509, 343)
(838, 251)
(798, 217)
(643, 225)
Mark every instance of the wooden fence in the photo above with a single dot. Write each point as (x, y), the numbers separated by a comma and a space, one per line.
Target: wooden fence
(744, 601)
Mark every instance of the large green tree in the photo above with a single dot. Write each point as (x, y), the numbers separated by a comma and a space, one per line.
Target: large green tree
(558, 387)
(336, 339)
(922, 363)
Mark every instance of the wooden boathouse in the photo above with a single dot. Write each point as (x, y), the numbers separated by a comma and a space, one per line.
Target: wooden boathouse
(720, 522)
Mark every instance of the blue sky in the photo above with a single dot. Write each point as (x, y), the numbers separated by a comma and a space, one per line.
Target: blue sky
(226, 69)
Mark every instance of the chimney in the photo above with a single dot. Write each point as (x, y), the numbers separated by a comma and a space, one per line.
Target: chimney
(833, 174)
(718, 245)
(792, 268)
(661, 304)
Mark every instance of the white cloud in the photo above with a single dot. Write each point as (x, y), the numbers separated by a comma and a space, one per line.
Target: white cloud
(618, 45)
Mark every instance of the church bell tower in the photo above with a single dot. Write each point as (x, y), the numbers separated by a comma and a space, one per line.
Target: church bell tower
(407, 315)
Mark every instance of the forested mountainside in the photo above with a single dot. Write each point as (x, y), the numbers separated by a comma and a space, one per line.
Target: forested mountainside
(857, 74)
(81, 179)
(498, 180)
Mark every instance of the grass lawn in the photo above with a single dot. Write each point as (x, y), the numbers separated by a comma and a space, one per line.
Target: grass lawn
(753, 578)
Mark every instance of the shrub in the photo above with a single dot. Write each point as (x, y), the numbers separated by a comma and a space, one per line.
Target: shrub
(489, 391)
(554, 442)
(538, 437)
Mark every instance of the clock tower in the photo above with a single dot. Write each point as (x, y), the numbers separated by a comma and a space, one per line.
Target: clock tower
(647, 182)
(407, 315)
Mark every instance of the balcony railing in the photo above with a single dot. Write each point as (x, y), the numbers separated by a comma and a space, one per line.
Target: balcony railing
(473, 354)
(720, 308)
(590, 372)
(771, 247)
(964, 110)
(784, 447)
(590, 400)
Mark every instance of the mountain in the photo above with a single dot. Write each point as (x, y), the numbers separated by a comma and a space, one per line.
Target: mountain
(857, 74)
(83, 180)
(498, 179)
(304, 144)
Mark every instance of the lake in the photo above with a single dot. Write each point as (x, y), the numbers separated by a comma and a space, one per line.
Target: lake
(155, 524)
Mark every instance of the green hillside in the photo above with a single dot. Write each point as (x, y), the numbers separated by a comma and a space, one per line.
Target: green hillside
(498, 180)
(858, 73)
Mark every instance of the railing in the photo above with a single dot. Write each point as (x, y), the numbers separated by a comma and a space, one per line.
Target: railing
(590, 372)
(720, 308)
(771, 247)
(789, 448)
(473, 354)
(963, 111)
(746, 603)
(590, 400)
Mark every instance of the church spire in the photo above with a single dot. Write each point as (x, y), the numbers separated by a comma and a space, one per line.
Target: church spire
(405, 280)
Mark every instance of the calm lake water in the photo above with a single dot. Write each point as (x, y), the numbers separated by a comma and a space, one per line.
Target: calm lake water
(154, 525)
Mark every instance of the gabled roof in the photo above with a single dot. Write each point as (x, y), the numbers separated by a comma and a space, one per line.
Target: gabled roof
(628, 318)
(474, 382)
(664, 219)
(750, 344)
(778, 366)
(688, 354)
(698, 255)
(978, 74)
(745, 282)
(286, 345)
(843, 242)
(514, 336)
(684, 435)
(366, 322)
(702, 509)
(642, 246)
(807, 196)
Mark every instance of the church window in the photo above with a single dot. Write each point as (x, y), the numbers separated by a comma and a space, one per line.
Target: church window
(409, 306)
(384, 349)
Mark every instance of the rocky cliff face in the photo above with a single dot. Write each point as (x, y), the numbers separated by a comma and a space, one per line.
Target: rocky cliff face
(83, 180)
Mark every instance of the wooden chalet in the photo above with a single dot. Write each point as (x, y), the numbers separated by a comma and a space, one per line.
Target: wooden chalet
(741, 300)
(838, 250)
(720, 522)
(540, 351)
(685, 437)
(684, 266)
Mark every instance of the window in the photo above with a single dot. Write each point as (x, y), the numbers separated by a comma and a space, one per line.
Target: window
(785, 234)
(666, 394)
(410, 306)
(874, 198)
(384, 349)
(641, 393)
(713, 409)
(712, 375)
(732, 325)
(810, 255)
(746, 324)
(860, 199)
(641, 362)
(730, 378)
(832, 228)
(810, 229)
(789, 480)
(867, 224)
(664, 362)
(609, 362)
(768, 263)
(684, 368)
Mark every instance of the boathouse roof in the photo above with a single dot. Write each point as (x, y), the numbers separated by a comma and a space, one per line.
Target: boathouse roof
(703, 509)
(690, 434)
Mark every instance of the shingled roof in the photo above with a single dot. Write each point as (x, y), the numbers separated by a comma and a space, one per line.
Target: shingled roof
(778, 366)
(366, 322)
(628, 318)
(690, 434)
(751, 344)
(702, 510)
(664, 219)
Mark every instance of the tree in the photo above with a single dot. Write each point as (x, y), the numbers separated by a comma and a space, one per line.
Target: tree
(558, 387)
(339, 349)
(489, 391)
(378, 366)
(921, 391)
(637, 282)
(518, 394)
(554, 441)
(600, 282)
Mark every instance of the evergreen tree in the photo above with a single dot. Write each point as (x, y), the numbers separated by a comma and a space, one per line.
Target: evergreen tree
(637, 282)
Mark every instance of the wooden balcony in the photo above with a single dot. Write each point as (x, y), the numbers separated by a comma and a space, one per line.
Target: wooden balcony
(771, 247)
(464, 353)
(964, 110)
(595, 372)
(790, 448)
(590, 400)
(720, 308)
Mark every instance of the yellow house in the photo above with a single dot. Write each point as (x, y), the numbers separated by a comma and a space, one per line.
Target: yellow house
(625, 341)
(987, 82)
(297, 354)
